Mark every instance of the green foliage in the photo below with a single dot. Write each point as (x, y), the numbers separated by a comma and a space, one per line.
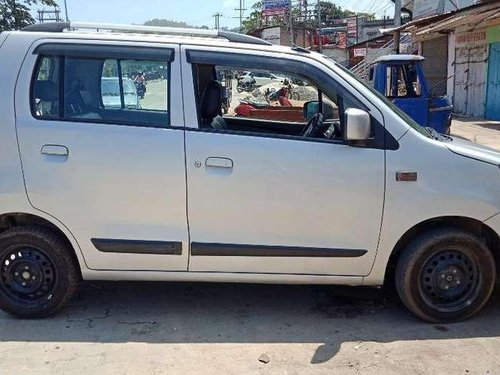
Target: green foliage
(15, 14)
(329, 12)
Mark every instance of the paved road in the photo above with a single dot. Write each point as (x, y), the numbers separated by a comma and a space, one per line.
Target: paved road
(479, 131)
(155, 97)
(167, 328)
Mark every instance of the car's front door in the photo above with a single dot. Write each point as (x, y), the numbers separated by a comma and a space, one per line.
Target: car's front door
(265, 203)
(113, 173)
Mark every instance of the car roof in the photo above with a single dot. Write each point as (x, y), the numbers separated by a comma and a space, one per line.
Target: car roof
(61, 30)
(166, 39)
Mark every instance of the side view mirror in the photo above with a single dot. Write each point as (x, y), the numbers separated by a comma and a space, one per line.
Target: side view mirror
(357, 125)
(311, 108)
(372, 73)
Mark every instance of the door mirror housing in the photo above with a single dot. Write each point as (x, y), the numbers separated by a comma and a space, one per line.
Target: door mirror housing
(358, 125)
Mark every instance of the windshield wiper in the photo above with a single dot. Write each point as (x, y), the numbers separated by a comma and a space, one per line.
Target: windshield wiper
(434, 134)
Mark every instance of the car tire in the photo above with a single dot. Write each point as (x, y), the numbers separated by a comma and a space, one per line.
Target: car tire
(38, 272)
(445, 275)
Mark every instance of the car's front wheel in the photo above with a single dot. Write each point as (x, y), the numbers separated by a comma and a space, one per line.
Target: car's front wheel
(445, 275)
(38, 272)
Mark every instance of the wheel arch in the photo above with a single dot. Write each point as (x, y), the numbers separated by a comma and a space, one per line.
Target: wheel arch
(467, 224)
(18, 219)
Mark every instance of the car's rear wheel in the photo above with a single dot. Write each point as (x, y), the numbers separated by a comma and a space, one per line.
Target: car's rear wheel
(38, 273)
(445, 275)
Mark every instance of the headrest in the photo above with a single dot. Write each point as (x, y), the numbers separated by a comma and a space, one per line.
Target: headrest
(212, 101)
(46, 91)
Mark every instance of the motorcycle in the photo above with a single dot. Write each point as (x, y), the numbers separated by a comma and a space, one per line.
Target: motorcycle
(247, 86)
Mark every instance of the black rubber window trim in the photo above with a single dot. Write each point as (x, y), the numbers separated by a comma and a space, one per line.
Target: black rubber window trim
(89, 51)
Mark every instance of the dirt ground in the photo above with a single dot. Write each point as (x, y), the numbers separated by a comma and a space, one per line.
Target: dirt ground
(169, 328)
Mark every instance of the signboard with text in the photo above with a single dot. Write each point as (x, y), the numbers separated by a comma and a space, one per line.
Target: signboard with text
(272, 8)
(352, 27)
(471, 37)
(272, 35)
(359, 52)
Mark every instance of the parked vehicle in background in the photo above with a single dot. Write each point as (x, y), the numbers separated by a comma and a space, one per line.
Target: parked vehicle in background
(110, 89)
(401, 78)
(340, 187)
(246, 85)
(260, 78)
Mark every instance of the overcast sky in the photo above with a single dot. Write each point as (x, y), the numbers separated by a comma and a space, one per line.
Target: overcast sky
(194, 12)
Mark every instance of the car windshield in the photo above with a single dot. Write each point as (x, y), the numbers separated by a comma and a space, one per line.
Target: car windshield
(389, 103)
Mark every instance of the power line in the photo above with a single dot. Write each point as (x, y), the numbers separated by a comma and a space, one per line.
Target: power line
(241, 9)
(66, 10)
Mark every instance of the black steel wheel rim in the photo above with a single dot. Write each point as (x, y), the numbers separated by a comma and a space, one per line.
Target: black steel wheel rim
(449, 281)
(28, 276)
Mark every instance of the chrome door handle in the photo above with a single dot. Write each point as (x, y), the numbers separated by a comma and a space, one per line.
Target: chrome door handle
(56, 150)
(216, 162)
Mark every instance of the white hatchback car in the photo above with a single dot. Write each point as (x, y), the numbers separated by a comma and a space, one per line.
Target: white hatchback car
(261, 78)
(110, 91)
(341, 189)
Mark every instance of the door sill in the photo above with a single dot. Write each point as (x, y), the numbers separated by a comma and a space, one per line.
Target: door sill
(221, 277)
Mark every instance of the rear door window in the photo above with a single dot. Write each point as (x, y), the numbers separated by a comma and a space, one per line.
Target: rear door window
(105, 90)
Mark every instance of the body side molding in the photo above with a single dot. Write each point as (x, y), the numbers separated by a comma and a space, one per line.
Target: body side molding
(219, 249)
(107, 245)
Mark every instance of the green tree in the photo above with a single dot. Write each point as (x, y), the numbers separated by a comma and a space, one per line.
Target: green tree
(255, 19)
(15, 14)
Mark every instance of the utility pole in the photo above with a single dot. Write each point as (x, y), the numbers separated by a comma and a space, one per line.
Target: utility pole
(217, 17)
(290, 13)
(320, 41)
(397, 23)
(241, 9)
(66, 10)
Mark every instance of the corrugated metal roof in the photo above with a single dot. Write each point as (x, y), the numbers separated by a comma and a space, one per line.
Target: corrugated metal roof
(476, 19)
(419, 25)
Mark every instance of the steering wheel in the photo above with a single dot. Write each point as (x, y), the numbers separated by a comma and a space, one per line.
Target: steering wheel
(314, 125)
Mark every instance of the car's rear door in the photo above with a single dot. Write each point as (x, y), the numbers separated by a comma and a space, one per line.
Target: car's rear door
(113, 175)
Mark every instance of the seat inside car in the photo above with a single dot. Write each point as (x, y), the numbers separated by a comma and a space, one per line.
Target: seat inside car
(46, 94)
(211, 114)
